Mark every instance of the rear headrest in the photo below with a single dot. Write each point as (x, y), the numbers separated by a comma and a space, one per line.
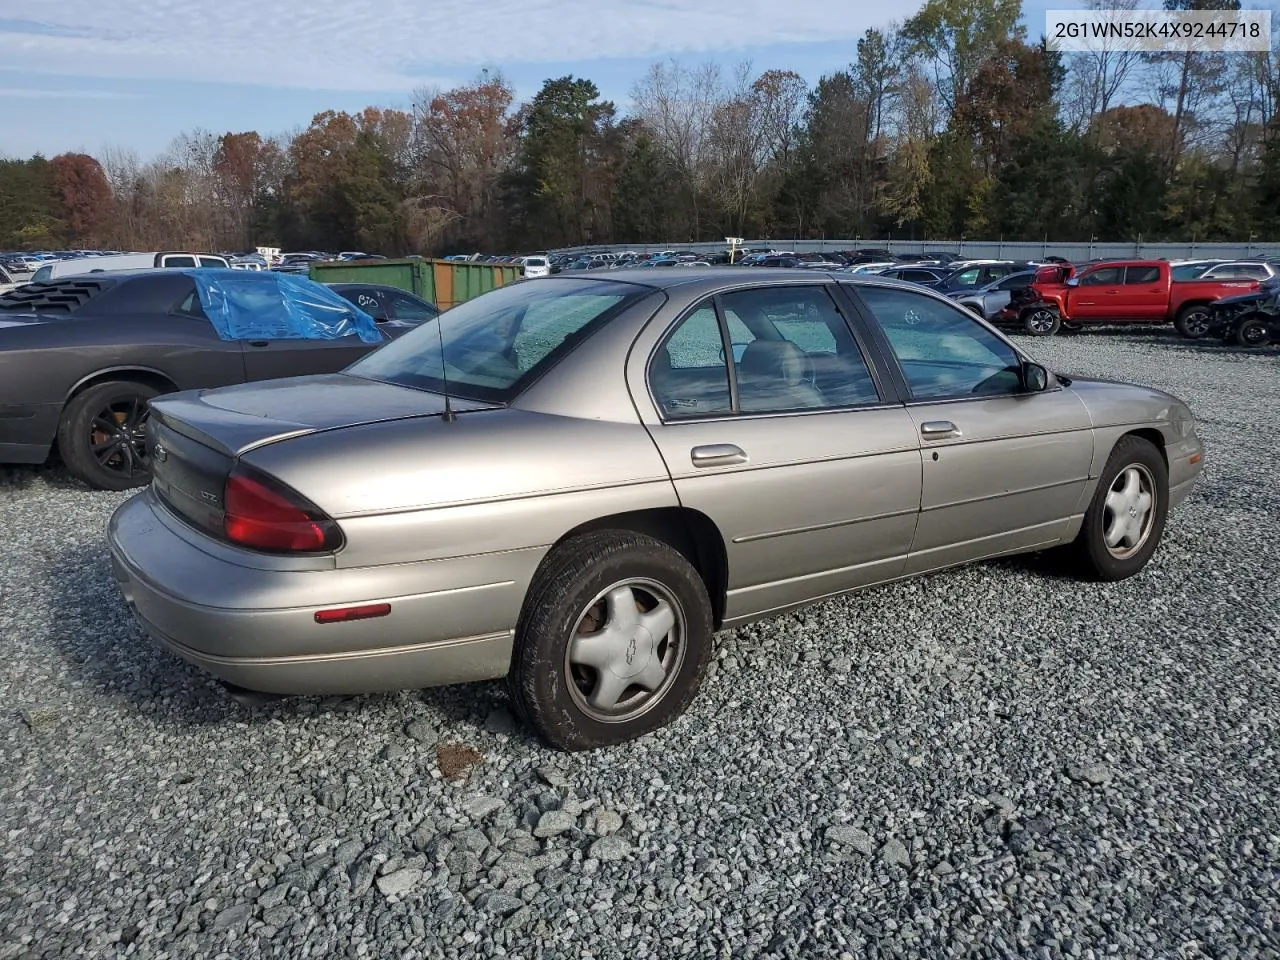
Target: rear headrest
(774, 359)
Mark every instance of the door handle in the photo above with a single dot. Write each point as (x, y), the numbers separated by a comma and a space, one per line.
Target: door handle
(938, 429)
(259, 343)
(717, 455)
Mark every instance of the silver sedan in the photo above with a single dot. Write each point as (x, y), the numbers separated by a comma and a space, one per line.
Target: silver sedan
(573, 482)
(987, 301)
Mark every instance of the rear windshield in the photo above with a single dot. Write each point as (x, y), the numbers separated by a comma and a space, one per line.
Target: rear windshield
(497, 344)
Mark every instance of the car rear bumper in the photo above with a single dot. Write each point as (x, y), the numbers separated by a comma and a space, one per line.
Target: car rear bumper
(450, 622)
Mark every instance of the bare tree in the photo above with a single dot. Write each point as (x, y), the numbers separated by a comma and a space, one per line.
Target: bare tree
(464, 140)
(1096, 79)
(678, 104)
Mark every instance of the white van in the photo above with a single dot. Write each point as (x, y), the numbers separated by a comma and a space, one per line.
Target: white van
(8, 281)
(126, 261)
(537, 266)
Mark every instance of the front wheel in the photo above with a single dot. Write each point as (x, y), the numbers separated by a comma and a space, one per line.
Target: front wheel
(101, 436)
(1126, 517)
(613, 641)
(1041, 322)
(1192, 322)
(1252, 333)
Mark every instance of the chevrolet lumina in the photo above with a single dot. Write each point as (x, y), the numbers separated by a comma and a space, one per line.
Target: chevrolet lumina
(572, 482)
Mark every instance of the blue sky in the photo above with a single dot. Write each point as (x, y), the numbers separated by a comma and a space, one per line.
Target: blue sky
(84, 74)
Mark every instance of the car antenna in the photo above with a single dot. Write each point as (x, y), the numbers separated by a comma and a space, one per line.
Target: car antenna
(449, 415)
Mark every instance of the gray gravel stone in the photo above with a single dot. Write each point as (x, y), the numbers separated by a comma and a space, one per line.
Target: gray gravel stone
(399, 883)
(553, 777)
(553, 823)
(138, 804)
(500, 721)
(605, 822)
(894, 852)
(423, 731)
(231, 917)
(499, 903)
(480, 807)
(475, 841)
(1097, 774)
(851, 837)
(612, 847)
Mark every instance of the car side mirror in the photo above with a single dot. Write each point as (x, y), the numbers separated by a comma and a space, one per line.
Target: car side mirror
(1035, 377)
(1073, 282)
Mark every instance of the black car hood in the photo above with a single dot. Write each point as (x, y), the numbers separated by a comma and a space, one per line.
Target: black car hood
(1253, 296)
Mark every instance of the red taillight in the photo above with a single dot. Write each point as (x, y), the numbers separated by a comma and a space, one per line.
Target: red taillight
(266, 515)
(344, 614)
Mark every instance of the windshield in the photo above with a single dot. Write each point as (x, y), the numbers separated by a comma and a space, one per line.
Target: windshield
(498, 343)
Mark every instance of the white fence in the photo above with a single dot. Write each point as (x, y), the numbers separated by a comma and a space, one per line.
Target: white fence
(998, 249)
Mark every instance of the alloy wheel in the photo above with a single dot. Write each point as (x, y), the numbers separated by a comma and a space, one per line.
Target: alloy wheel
(117, 437)
(1196, 323)
(1041, 321)
(626, 650)
(1128, 513)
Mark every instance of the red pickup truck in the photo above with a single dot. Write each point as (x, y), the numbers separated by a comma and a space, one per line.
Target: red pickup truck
(1121, 291)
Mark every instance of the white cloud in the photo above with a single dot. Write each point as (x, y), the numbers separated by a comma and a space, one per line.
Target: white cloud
(396, 45)
(34, 93)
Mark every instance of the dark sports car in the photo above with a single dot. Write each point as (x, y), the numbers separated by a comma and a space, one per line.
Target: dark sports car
(81, 357)
(386, 303)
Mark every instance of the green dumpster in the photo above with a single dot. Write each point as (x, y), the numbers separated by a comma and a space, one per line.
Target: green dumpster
(446, 283)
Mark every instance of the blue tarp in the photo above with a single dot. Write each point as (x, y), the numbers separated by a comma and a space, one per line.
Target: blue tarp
(263, 305)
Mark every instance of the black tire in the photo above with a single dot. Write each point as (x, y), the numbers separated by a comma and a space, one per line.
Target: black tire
(1252, 333)
(1193, 321)
(86, 426)
(560, 602)
(1093, 560)
(1041, 322)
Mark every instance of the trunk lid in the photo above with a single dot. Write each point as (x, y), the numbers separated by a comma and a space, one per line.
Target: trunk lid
(234, 420)
(195, 437)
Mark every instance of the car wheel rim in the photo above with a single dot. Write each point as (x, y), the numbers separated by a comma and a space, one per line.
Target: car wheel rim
(1129, 511)
(117, 437)
(1253, 334)
(625, 651)
(1197, 323)
(1041, 321)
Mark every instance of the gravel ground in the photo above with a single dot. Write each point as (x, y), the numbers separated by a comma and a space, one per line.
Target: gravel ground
(994, 761)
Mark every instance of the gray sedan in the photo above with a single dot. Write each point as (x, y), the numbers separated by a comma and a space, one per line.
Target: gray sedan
(573, 482)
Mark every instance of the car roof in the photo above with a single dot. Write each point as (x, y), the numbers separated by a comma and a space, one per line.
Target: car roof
(696, 281)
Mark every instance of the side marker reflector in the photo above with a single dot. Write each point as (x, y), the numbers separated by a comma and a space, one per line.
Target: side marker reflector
(343, 614)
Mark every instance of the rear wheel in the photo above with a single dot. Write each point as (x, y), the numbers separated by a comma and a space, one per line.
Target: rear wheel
(1041, 322)
(613, 641)
(1192, 322)
(1126, 517)
(101, 436)
(1252, 333)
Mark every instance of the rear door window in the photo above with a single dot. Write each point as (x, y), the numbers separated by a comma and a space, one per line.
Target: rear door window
(211, 263)
(1135, 275)
(178, 261)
